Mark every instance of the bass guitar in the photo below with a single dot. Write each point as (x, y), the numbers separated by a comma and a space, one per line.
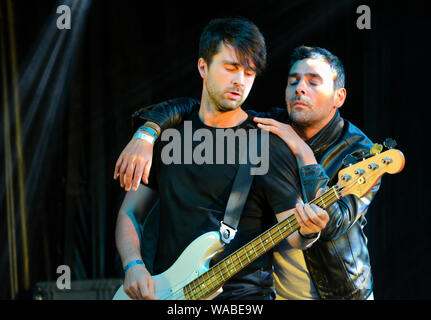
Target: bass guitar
(191, 278)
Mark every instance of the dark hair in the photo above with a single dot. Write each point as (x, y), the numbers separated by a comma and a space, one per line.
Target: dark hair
(304, 52)
(242, 34)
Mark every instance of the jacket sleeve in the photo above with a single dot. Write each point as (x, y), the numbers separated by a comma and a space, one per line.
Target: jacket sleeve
(342, 214)
(167, 114)
(171, 113)
(278, 114)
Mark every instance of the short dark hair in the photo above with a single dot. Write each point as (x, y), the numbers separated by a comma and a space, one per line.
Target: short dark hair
(304, 52)
(240, 33)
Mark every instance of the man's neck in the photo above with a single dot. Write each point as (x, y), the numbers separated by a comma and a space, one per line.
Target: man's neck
(308, 131)
(217, 119)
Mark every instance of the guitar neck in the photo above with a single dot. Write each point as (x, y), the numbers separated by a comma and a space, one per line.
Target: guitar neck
(215, 277)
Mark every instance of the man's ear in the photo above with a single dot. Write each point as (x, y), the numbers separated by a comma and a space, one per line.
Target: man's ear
(203, 68)
(340, 97)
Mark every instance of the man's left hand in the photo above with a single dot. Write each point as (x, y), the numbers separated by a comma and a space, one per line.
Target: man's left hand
(303, 153)
(311, 218)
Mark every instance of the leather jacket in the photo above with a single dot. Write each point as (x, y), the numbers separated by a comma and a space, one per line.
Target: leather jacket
(338, 262)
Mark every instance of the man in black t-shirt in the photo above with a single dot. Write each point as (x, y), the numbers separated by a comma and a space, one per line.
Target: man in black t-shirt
(193, 196)
(191, 206)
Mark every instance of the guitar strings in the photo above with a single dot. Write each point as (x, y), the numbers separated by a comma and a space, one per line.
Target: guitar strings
(196, 284)
(224, 274)
(237, 256)
(240, 253)
(329, 195)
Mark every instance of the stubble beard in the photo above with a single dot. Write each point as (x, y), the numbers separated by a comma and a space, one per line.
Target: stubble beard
(300, 119)
(220, 104)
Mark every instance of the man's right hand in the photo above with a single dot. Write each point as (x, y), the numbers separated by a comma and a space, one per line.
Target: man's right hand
(134, 163)
(138, 284)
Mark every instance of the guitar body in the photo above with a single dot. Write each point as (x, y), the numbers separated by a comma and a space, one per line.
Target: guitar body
(193, 262)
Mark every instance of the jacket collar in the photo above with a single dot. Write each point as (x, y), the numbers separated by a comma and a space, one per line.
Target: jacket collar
(327, 135)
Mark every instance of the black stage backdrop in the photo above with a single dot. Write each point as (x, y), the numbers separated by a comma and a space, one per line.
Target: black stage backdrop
(79, 87)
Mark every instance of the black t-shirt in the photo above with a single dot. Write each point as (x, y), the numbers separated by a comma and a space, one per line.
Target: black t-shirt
(193, 199)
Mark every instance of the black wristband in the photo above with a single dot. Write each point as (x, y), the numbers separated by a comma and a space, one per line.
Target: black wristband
(308, 236)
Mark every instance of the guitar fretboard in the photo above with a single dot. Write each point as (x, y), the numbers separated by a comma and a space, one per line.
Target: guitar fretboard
(215, 277)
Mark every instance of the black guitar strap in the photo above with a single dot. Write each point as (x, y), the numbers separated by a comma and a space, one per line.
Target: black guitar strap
(239, 193)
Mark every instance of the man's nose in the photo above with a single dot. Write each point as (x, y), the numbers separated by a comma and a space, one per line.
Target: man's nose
(300, 88)
(239, 79)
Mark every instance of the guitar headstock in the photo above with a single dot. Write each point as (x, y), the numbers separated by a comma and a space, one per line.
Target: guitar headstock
(359, 178)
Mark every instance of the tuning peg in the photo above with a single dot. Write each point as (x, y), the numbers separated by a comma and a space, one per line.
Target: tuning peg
(390, 143)
(376, 148)
(349, 160)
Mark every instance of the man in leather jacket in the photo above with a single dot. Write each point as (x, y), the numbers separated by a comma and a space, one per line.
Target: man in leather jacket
(337, 266)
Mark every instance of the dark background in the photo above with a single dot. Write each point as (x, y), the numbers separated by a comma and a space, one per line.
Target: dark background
(79, 87)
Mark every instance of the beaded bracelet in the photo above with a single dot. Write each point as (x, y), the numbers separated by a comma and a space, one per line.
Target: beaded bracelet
(154, 126)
